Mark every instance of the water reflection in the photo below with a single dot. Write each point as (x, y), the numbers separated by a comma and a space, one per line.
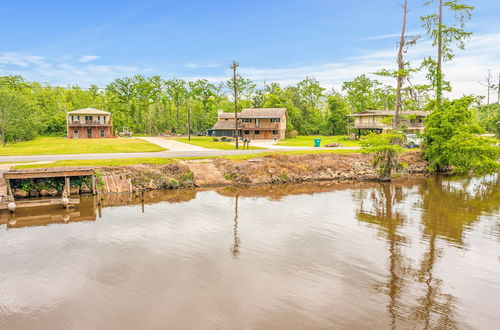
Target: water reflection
(383, 213)
(235, 250)
(418, 253)
(448, 206)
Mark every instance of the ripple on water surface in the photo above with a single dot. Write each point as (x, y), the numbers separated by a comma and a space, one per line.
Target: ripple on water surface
(411, 254)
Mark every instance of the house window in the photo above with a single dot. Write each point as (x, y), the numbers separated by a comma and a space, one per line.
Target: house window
(275, 132)
(102, 133)
(88, 118)
(257, 122)
(101, 119)
(275, 120)
(75, 118)
(89, 133)
(247, 120)
(246, 132)
(257, 132)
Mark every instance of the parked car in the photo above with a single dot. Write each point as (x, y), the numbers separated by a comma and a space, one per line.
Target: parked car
(413, 141)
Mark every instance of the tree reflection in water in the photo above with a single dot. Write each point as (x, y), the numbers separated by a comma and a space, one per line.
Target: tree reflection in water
(385, 215)
(235, 249)
(448, 209)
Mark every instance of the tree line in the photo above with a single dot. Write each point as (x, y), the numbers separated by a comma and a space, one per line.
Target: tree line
(153, 105)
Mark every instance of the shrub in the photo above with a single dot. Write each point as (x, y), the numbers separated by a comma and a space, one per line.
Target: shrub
(386, 149)
(223, 138)
(293, 134)
(451, 140)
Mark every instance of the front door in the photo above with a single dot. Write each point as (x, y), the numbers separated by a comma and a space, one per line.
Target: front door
(266, 135)
(75, 134)
(89, 133)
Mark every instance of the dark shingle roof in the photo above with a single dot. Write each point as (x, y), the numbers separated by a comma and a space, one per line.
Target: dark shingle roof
(224, 124)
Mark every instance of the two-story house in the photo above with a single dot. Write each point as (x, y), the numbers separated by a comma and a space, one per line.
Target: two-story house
(253, 124)
(89, 123)
(380, 120)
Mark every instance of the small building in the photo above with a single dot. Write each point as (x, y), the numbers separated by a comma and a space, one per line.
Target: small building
(253, 124)
(89, 123)
(380, 120)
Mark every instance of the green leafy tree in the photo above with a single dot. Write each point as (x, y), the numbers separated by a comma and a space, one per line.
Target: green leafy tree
(337, 118)
(445, 37)
(451, 140)
(17, 117)
(385, 149)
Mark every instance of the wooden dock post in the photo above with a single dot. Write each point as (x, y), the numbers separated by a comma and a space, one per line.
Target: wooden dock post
(93, 183)
(67, 186)
(9, 189)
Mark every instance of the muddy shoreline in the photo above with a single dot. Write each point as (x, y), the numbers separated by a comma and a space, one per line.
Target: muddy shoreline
(269, 169)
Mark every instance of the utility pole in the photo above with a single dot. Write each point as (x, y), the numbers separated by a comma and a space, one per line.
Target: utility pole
(233, 67)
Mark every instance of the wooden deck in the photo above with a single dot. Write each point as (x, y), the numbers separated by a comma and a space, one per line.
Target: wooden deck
(51, 172)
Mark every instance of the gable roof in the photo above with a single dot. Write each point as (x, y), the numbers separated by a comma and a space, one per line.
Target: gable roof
(89, 111)
(255, 113)
(224, 115)
(262, 113)
(388, 113)
(224, 124)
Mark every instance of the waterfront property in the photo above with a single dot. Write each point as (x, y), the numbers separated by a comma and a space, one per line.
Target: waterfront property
(380, 120)
(89, 123)
(254, 124)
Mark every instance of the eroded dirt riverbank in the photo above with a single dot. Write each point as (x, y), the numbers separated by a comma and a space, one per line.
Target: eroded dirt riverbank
(270, 169)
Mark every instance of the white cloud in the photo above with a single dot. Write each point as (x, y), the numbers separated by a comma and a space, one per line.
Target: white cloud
(191, 65)
(465, 71)
(391, 35)
(87, 58)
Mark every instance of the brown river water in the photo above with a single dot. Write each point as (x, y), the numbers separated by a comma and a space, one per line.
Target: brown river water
(420, 253)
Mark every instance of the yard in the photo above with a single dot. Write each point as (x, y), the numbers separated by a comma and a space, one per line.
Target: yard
(308, 141)
(163, 161)
(58, 145)
(208, 142)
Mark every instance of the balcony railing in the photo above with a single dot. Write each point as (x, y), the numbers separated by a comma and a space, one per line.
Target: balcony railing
(273, 126)
(88, 123)
(389, 125)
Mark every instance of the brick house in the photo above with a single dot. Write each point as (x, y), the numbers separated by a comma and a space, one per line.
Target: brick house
(253, 124)
(89, 123)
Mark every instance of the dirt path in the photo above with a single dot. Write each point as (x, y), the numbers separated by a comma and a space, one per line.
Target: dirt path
(206, 174)
(172, 145)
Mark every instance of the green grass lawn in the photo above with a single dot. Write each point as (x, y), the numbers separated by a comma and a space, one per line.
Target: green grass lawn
(208, 142)
(162, 161)
(57, 145)
(101, 162)
(308, 141)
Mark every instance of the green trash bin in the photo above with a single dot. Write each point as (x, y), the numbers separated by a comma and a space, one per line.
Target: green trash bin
(317, 143)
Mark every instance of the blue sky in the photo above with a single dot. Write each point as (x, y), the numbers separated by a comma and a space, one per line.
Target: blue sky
(77, 42)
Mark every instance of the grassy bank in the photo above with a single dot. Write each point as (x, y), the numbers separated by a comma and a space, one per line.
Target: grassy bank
(58, 146)
(208, 142)
(162, 161)
(308, 141)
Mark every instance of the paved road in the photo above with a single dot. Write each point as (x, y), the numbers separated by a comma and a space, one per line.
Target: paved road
(172, 145)
(166, 154)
